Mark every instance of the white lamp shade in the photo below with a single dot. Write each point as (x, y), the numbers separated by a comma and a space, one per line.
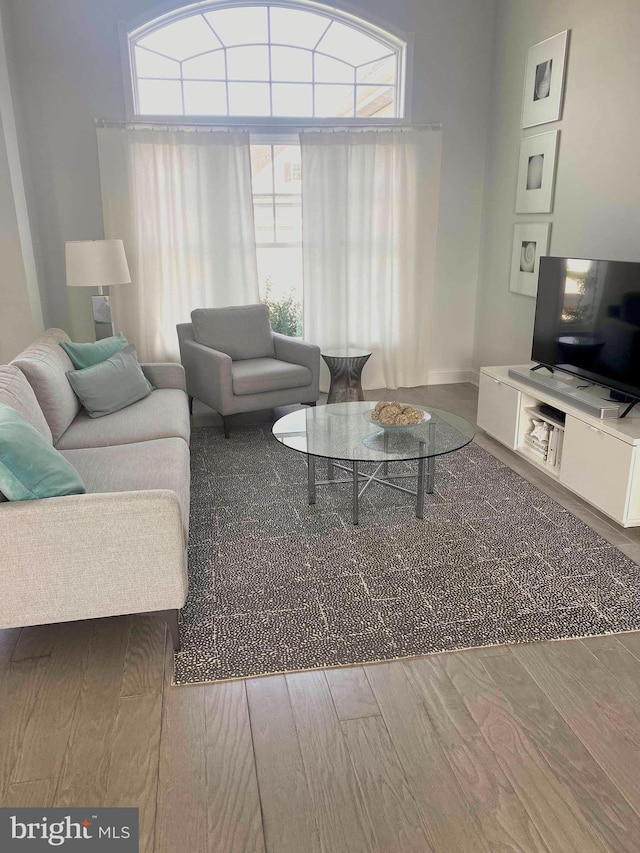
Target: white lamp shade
(96, 263)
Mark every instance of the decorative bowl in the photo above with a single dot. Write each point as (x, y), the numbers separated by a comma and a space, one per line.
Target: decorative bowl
(394, 427)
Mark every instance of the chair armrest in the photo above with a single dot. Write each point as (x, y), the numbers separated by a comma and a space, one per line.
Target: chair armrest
(167, 374)
(297, 351)
(208, 374)
(87, 556)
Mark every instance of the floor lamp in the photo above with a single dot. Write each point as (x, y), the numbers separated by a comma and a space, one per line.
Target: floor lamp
(97, 263)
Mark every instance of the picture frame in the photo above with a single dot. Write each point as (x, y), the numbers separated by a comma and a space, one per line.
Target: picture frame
(544, 80)
(530, 242)
(537, 172)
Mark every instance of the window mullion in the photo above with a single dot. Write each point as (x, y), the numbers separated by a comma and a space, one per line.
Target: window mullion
(226, 81)
(326, 30)
(355, 91)
(270, 47)
(273, 193)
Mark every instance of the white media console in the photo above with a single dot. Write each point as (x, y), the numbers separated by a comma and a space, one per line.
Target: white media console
(593, 454)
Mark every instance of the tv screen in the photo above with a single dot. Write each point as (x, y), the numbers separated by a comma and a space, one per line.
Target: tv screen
(588, 321)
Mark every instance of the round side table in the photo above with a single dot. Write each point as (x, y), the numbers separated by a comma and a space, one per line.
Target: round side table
(345, 366)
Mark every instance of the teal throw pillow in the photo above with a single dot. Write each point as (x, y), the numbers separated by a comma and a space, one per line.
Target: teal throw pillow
(111, 385)
(30, 467)
(86, 355)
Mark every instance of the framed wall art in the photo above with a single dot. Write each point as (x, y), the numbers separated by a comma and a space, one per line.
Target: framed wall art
(544, 80)
(530, 242)
(537, 173)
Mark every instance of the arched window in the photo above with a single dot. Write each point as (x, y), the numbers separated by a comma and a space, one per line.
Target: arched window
(266, 59)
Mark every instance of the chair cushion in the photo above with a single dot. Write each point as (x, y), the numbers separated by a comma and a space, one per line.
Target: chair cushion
(16, 392)
(30, 467)
(162, 464)
(110, 385)
(45, 364)
(256, 375)
(240, 332)
(163, 414)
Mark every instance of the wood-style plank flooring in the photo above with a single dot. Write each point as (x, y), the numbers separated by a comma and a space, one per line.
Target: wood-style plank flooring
(523, 748)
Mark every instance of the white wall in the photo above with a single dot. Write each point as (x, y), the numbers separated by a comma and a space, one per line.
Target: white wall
(20, 307)
(597, 199)
(17, 323)
(68, 57)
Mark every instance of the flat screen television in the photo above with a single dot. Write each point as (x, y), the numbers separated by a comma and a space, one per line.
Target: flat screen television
(587, 322)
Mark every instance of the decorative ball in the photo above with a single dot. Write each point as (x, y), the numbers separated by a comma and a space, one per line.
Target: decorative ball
(395, 414)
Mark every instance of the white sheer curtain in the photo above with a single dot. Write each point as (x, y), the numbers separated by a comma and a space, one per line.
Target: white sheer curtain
(182, 203)
(370, 215)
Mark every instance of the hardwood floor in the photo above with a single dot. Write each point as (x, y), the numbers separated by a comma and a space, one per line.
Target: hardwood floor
(533, 747)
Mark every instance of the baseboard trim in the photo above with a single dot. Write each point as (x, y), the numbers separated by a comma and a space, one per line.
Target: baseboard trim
(450, 377)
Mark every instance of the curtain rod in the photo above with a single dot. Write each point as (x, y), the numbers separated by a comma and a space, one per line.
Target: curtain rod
(155, 124)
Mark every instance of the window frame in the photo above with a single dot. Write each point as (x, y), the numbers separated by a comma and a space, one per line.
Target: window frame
(135, 28)
(273, 140)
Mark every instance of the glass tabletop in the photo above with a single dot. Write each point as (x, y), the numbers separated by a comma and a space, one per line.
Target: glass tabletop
(346, 352)
(345, 431)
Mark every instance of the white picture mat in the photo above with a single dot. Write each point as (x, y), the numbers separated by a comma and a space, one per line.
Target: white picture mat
(537, 164)
(525, 282)
(548, 106)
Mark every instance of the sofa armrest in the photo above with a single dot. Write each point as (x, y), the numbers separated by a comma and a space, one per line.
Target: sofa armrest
(87, 556)
(209, 377)
(166, 374)
(297, 351)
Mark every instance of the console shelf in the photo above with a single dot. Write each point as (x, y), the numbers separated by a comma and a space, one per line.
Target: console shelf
(597, 459)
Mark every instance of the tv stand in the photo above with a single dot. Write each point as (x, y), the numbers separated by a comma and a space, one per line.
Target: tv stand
(542, 367)
(596, 458)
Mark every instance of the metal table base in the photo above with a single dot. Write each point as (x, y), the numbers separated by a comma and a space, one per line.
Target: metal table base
(425, 475)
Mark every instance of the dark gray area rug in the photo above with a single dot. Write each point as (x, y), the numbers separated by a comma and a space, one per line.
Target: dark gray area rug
(278, 586)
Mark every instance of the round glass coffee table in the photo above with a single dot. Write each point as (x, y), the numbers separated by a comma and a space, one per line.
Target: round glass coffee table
(345, 432)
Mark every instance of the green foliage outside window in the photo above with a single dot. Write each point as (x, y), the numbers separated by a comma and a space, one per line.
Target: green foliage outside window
(285, 314)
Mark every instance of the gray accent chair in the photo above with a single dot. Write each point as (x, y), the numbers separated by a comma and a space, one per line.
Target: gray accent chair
(235, 363)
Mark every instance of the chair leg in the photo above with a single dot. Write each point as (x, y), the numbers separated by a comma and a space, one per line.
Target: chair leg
(225, 426)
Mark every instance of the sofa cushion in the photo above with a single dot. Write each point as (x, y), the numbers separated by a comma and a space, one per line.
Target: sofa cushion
(163, 414)
(256, 375)
(30, 467)
(110, 385)
(16, 392)
(86, 355)
(240, 332)
(161, 464)
(45, 364)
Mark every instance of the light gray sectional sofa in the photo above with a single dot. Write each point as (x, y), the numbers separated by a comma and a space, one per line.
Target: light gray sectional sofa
(120, 548)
